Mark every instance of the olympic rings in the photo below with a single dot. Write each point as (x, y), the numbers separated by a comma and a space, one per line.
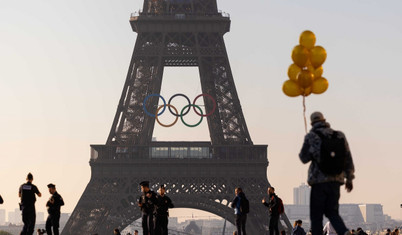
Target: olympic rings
(145, 108)
(213, 109)
(181, 116)
(174, 122)
(176, 114)
(183, 113)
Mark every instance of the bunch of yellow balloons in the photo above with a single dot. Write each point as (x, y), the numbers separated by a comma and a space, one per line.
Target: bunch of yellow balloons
(305, 74)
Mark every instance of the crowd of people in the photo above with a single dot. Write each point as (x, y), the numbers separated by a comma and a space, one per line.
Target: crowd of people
(331, 166)
(329, 230)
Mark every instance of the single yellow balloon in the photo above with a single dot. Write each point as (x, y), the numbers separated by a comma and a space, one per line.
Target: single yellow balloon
(318, 72)
(293, 71)
(305, 78)
(300, 56)
(320, 85)
(307, 39)
(307, 91)
(310, 67)
(318, 55)
(291, 88)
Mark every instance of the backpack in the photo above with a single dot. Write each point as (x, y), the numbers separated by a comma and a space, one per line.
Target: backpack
(281, 208)
(244, 205)
(332, 154)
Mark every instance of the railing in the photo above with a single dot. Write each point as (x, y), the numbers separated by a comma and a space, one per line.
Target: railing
(178, 15)
(178, 150)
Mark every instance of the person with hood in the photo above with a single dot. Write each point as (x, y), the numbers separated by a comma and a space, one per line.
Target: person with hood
(331, 164)
(239, 203)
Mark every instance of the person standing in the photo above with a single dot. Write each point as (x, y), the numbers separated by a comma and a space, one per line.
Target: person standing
(239, 204)
(147, 203)
(331, 164)
(388, 232)
(116, 231)
(298, 229)
(53, 208)
(162, 211)
(273, 206)
(27, 193)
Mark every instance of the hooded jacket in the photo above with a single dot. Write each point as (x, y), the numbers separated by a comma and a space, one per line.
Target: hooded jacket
(311, 151)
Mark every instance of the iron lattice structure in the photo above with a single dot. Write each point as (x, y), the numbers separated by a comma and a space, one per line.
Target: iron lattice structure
(199, 175)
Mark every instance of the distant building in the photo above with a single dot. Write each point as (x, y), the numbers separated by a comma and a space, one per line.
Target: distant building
(301, 195)
(15, 217)
(2, 217)
(351, 215)
(372, 213)
(368, 216)
(296, 212)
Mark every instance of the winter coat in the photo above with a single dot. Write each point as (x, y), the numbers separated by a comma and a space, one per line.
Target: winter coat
(311, 152)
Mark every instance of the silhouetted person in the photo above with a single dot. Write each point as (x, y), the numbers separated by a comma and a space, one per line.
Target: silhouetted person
(359, 231)
(331, 164)
(298, 229)
(1, 200)
(273, 206)
(53, 208)
(388, 232)
(238, 204)
(27, 193)
(162, 212)
(147, 203)
(116, 231)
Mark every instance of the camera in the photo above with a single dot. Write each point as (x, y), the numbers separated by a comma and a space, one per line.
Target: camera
(41, 231)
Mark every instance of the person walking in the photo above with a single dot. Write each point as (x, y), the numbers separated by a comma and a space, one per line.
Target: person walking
(53, 208)
(162, 211)
(298, 229)
(147, 203)
(241, 207)
(273, 206)
(331, 163)
(27, 193)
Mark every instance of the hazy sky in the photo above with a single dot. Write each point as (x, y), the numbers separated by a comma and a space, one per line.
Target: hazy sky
(63, 66)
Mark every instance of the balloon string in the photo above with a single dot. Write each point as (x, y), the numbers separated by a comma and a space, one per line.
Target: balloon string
(304, 113)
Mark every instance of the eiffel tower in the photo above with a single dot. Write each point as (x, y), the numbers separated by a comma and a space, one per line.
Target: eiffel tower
(198, 175)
